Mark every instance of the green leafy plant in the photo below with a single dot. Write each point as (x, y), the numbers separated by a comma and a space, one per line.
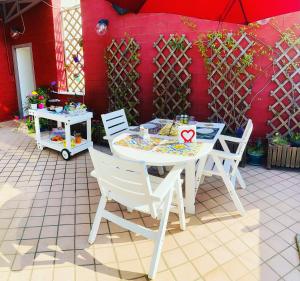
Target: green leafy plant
(278, 139)
(295, 137)
(257, 149)
(177, 43)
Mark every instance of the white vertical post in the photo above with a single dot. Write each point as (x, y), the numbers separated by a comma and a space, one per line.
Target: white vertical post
(190, 185)
(68, 136)
(89, 130)
(37, 129)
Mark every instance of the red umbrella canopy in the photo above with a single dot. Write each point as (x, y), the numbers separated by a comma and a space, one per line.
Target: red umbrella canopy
(234, 11)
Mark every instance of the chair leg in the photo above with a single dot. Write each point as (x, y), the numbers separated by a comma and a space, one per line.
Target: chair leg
(180, 205)
(160, 237)
(240, 179)
(97, 219)
(229, 186)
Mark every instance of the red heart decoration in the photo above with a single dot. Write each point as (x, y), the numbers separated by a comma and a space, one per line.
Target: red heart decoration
(187, 135)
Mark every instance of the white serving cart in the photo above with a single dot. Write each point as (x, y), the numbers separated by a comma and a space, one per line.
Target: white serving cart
(67, 150)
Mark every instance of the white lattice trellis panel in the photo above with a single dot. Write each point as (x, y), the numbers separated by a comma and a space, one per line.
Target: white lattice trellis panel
(72, 33)
(230, 82)
(286, 107)
(172, 78)
(122, 60)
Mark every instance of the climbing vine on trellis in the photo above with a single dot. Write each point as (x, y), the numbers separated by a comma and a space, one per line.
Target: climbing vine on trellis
(228, 58)
(122, 57)
(172, 77)
(286, 96)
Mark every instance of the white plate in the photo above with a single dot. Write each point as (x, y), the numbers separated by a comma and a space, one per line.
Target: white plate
(205, 131)
(149, 126)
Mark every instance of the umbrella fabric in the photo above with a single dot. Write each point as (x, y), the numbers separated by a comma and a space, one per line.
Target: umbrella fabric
(234, 11)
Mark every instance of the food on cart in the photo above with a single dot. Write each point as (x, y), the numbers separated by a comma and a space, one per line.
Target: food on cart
(77, 138)
(72, 143)
(75, 108)
(169, 130)
(57, 138)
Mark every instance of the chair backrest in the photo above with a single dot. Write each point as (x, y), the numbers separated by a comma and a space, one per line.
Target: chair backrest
(124, 181)
(245, 138)
(114, 122)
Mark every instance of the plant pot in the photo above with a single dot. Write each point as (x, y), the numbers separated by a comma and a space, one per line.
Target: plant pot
(284, 156)
(295, 143)
(33, 106)
(255, 159)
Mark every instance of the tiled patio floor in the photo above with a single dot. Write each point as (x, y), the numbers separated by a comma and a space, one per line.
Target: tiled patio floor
(47, 204)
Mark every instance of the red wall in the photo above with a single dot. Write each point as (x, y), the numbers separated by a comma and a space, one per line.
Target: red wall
(8, 100)
(145, 28)
(40, 32)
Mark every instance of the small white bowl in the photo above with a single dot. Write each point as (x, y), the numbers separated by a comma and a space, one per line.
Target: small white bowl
(59, 109)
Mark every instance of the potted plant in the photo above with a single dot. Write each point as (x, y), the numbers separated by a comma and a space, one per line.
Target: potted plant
(283, 151)
(32, 100)
(278, 139)
(295, 139)
(256, 153)
(30, 124)
(98, 132)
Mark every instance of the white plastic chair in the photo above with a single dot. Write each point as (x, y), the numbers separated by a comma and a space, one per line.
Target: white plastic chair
(225, 164)
(116, 123)
(128, 183)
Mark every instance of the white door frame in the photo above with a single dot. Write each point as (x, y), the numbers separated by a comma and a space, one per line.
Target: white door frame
(16, 70)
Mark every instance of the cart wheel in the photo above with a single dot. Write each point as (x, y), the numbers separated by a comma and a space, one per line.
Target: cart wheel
(39, 146)
(66, 154)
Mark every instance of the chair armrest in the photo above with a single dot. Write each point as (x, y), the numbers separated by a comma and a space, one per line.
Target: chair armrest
(168, 182)
(226, 155)
(132, 127)
(229, 138)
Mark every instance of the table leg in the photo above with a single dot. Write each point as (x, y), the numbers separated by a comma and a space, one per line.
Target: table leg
(89, 130)
(190, 185)
(37, 129)
(199, 172)
(68, 136)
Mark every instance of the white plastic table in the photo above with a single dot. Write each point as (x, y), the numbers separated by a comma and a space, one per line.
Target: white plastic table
(43, 138)
(153, 158)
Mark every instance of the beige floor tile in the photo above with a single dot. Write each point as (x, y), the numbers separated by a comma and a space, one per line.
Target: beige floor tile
(45, 274)
(64, 273)
(235, 269)
(216, 275)
(126, 252)
(185, 272)
(109, 272)
(105, 255)
(291, 255)
(250, 259)
(194, 250)
(221, 255)
(147, 261)
(165, 275)
(294, 275)
(205, 264)
(23, 262)
(22, 275)
(85, 273)
(174, 257)
(280, 265)
(237, 247)
(265, 272)
(131, 269)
